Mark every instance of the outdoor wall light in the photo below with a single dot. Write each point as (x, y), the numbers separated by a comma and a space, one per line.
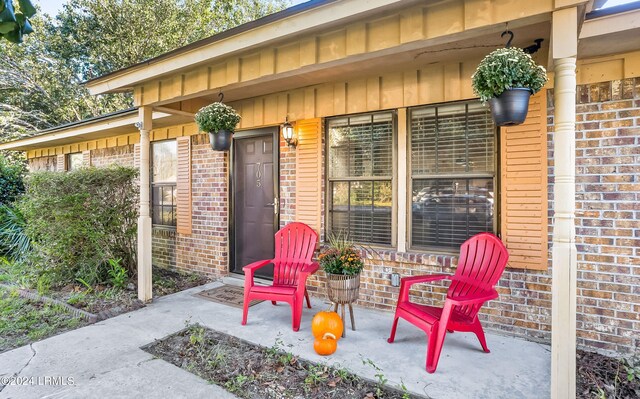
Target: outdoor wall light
(287, 133)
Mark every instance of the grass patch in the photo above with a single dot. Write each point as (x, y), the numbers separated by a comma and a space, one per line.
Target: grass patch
(23, 321)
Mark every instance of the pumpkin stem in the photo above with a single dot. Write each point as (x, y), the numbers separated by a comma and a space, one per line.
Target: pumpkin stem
(328, 335)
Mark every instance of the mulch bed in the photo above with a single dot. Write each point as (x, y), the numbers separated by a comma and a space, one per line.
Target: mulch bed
(252, 371)
(606, 377)
(108, 302)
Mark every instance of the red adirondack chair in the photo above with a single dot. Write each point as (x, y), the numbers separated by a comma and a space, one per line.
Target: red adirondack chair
(482, 260)
(295, 244)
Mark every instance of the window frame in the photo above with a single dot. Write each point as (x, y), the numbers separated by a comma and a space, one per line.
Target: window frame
(68, 160)
(327, 180)
(411, 177)
(153, 185)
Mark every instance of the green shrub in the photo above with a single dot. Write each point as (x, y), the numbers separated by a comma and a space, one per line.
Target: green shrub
(11, 179)
(14, 242)
(216, 117)
(504, 69)
(117, 273)
(78, 220)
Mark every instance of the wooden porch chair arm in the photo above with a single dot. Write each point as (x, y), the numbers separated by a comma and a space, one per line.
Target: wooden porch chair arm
(473, 299)
(407, 282)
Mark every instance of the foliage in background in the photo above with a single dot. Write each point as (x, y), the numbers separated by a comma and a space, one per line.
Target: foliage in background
(217, 117)
(14, 21)
(504, 69)
(40, 79)
(14, 242)
(11, 180)
(79, 220)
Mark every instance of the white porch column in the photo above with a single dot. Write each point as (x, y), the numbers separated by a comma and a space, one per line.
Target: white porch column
(564, 259)
(144, 220)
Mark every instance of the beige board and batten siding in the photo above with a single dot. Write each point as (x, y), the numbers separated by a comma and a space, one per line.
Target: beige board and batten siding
(431, 23)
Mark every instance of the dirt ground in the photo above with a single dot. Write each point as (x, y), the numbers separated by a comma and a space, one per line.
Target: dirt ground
(103, 298)
(606, 377)
(252, 371)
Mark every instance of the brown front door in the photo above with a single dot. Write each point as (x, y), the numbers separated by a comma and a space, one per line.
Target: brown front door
(254, 189)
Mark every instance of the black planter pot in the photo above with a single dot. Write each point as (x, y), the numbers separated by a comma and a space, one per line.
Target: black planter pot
(220, 141)
(510, 108)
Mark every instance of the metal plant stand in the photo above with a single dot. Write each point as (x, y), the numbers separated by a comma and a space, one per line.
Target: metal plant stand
(343, 291)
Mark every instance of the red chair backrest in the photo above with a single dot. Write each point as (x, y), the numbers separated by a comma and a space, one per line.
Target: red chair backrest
(482, 260)
(295, 244)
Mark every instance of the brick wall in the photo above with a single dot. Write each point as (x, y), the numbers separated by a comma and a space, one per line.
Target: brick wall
(163, 247)
(205, 250)
(287, 184)
(42, 163)
(122, 156)
(607, 213)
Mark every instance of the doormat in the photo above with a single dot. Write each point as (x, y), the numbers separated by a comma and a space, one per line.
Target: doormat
(231, 295)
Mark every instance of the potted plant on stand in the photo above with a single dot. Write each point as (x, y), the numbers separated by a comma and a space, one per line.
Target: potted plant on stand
(342, 263)
(506, 78)
(220, 121)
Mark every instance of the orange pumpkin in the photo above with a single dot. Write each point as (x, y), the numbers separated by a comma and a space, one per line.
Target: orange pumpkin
(326, 345)
(327, 322)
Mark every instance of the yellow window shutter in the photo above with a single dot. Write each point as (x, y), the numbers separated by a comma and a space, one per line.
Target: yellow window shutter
(136, 156)
(309, 173)
(61, 162)
(86, 158)
(523, 195)
(183, 186)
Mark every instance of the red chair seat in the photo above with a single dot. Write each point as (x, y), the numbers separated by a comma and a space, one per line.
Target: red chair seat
(432, 314)
(271, 289)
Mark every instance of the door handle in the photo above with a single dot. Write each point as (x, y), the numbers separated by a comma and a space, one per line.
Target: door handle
(276, 205)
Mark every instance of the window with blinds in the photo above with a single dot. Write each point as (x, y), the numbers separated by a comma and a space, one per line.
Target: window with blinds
(452, 174)
(163, 182)
(360, 176)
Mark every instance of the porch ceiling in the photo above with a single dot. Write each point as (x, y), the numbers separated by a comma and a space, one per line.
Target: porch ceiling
(474, 45)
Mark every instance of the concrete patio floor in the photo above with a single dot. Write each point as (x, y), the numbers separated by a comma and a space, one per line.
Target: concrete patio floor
(105, 359)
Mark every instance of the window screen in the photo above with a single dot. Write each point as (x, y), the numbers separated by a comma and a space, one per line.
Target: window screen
(163, 182)
(74, 161)
(360, 158)
(452, 174)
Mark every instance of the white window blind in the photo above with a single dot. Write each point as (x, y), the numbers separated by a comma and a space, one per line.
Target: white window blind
(452, 174)
(360, 176)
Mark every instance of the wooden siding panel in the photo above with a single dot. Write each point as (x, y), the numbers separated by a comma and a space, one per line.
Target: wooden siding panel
(183, 186)
(523, 197)
(309, 173)
(136, 156)
(61, 163)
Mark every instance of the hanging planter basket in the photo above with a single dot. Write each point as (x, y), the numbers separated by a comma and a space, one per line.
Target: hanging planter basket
(221, 141)
(220, 120)
(506, 78)
(511, 107)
